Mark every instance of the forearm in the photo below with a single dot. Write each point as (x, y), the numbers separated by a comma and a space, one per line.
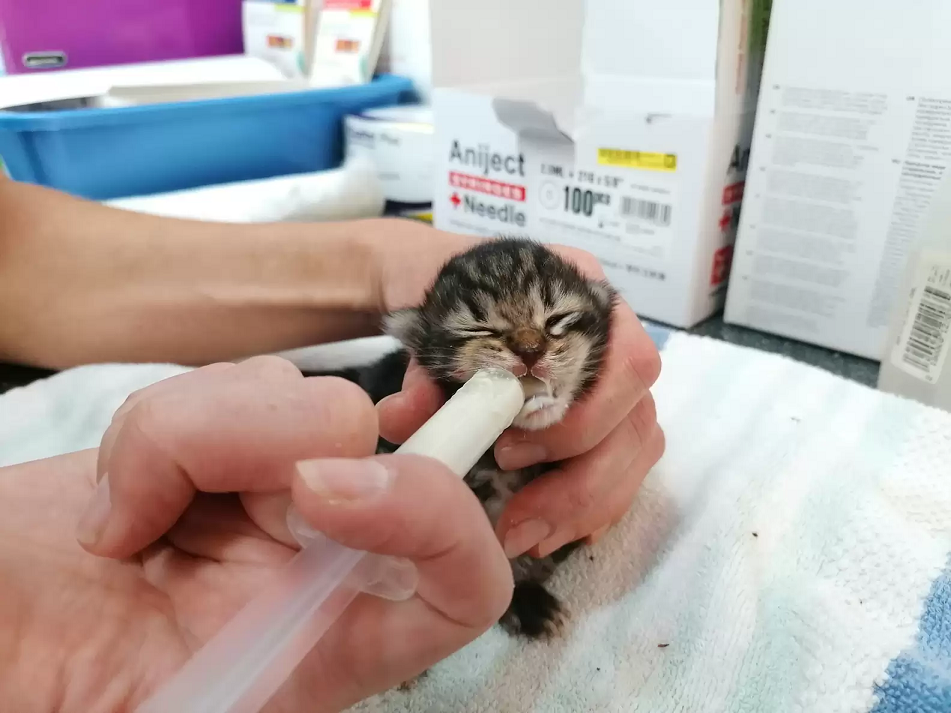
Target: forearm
(81, 283)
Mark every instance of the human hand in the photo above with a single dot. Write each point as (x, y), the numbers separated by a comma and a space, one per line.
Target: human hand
(604, 447)
(189, 522)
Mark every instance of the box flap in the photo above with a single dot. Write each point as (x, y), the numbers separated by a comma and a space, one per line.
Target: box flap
(500, 41)
(651, 56)
(546, 109)
(652, 39)
(635, 56)
(530, 123)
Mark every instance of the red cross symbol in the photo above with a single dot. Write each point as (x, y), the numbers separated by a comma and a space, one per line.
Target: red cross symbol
(455, 200)
(725, 221)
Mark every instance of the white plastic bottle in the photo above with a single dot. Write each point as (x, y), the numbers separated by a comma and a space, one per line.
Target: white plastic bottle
(916, 363)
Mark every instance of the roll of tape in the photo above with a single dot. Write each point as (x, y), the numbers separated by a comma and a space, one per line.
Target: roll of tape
(399, 142)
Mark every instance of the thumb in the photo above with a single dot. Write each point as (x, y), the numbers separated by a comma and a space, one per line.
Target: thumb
(414, 508)
(239, 430)
(393, 578)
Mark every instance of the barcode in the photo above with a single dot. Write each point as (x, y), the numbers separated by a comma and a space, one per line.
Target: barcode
(656, 213)
(930, 330)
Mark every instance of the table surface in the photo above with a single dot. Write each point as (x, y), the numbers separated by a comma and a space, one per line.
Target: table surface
(850, 367)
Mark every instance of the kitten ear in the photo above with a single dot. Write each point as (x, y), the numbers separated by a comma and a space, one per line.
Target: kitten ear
(404, 324)
(603, 293)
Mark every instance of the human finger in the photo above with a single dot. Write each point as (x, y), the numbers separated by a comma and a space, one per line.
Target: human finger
(580, 489)
(402, 414)
(414, 508)
(178, 381)
(592, 525)
(236, 430)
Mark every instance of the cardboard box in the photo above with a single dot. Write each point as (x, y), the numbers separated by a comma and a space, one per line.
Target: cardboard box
(348, 41)
(276, 31)
(407, 45)
(852, 137)
(915, 363)
(617, 126)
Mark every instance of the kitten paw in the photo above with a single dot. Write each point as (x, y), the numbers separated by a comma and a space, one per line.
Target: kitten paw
(534, 612)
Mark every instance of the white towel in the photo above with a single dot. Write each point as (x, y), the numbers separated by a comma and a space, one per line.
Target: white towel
(779, 558)
(349, 192)
(69, 411)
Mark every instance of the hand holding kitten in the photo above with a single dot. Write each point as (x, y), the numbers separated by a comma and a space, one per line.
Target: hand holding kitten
(604, 447)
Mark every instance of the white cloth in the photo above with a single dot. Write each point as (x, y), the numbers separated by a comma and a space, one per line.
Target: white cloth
(350, 192)
(69, 411)
(779, 558)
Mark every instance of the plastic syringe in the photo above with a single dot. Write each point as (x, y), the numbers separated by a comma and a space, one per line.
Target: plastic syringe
(247, 661)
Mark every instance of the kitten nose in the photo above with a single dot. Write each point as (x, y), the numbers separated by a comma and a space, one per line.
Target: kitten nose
(528, 345)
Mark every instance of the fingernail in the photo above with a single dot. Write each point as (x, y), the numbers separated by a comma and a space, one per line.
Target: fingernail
(392, 578)
(520, 455)
(345, 481)
(300, 530)
(94, 519)
(598, 534)
(547, 546)
(524, 536)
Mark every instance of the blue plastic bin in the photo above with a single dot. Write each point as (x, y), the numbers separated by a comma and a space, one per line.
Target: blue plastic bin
(102, 154)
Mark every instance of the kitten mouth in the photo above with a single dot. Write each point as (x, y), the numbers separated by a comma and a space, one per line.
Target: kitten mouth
(541, 407)
(536, 388)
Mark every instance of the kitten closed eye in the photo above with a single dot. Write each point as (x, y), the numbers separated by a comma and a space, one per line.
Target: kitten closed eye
(557, 325)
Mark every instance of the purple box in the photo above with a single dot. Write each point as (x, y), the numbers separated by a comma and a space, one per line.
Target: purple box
(70, 34)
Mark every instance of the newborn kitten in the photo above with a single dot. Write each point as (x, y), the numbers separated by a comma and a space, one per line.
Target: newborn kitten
(516, 305)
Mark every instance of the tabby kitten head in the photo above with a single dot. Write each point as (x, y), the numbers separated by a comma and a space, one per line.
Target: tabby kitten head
(516, 305)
